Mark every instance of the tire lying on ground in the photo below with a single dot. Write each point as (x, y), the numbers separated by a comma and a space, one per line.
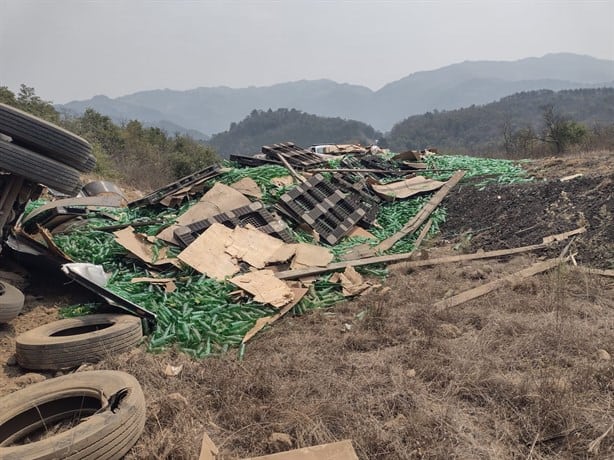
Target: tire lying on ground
(11, 302)
(37, 168)
(74, 341)
(105, 411)
(46, 138)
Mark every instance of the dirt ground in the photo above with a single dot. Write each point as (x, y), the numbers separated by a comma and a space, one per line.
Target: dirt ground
(523, 372)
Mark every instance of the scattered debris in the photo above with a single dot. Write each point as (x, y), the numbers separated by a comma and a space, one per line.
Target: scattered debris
(219, 198)
(265, 287)
(173, 371)
(254, 228)
(406, 188)
(325, 209)
(208, 254)
(342, 450)
(474, 293)
(208, 450)
(179, 189)
(248, 186)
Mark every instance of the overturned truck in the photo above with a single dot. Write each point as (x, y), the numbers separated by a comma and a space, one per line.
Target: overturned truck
(34, 154)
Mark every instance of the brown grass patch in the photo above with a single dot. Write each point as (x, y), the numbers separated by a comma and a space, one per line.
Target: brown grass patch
(514, 374)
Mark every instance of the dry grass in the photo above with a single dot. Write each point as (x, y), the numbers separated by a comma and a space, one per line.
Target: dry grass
(514, 374)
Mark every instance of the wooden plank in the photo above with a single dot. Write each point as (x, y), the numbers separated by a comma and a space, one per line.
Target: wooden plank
(563, 236)
(479, 291)
(293, 172)
(595, 271)
(294, 274)
(422, 215)
(411, 226)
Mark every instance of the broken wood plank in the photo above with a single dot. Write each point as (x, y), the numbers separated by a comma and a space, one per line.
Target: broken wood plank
(563, 236)
(294, 274)
(595, 271)
(293, 172)
(422, 215)
(515, 277)
(366, 251)
(356, 170)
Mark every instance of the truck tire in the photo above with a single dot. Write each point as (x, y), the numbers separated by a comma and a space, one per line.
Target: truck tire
(37, 168)
(46, 138)
(108, 406)
(11, 302)
(71, 342)
(90, 164)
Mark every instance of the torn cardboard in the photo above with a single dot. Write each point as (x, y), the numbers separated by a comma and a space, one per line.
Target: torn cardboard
(406, 188)
(207, 254)
(265, 287)
(261, 323)
(220, 198)
(342, 450)
(208, 450)
(248, 186)
(253, 246)
(168, 283)
(284, 181)
(309, 255)
(359, 232)
(352, 282)
(140, 247)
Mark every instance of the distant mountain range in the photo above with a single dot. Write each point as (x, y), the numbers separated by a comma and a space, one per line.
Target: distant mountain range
(201, 112)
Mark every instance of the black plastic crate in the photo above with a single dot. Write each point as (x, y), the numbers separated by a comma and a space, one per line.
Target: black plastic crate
(254, 214)
(157, 195)
(329, 211)
(295, 155)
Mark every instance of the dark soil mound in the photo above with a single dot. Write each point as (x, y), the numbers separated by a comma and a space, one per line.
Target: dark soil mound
(506, 216)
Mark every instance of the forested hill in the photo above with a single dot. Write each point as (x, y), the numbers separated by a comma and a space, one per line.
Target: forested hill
(268, 127)
(480, 128)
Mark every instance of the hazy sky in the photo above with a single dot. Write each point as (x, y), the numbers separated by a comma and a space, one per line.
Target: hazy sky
(76, 49)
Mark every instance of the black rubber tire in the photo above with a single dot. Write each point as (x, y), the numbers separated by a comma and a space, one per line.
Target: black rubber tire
(37, 168)
(11, 302)
(90, 164)
(46, 348)
(108, 433)
(46, 138)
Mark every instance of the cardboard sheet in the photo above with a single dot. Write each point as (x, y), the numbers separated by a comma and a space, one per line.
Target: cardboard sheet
(342, 450)
(253, 246)
(220, 198)
(352, 282)
(140, 247)
(406, 188)
(265, 287)
(283, 181)
(361, 232)
(208, 450)
(299, 293)
(207, 254)
(308, 255)
(248, 186)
